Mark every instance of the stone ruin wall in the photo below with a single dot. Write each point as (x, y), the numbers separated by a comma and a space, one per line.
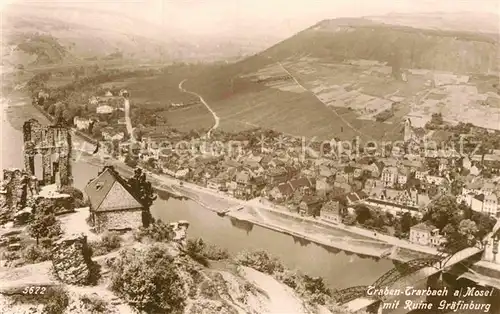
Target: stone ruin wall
(48, 141)
(17, 187)
(71, 260)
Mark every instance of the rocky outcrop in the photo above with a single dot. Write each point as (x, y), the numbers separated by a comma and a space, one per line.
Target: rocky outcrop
(71, 260)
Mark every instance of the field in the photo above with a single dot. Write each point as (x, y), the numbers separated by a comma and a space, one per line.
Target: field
(333, 80)
(337, 100)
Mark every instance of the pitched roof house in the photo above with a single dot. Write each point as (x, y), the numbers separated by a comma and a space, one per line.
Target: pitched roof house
(331, 211)
(113, 205)
(310, 205)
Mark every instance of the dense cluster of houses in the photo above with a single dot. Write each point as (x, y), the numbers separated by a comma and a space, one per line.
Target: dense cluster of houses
(322, 185)
(101, 109)
(306, 185)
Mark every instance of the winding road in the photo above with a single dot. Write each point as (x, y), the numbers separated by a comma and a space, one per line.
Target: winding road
(216, 118)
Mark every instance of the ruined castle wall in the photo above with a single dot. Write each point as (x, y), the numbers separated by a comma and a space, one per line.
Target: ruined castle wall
(48, 140)
(71, 260)
(18, 187)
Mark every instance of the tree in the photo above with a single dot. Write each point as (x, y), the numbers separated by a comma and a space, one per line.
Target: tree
(58, 112)
(467, 228)
(362, 213)
(406, 222)
(144, 191)
(131, 161)
(72, 191)
(44, 225)
(142, 187)
(195, 249)
(96, 131)
(157, 231)
(149, 280)
(150, 163)
(349, 219)
(316, 288)
(456, 186)
(484, 223)
(443, 211)
(52, 109)
(449, 229)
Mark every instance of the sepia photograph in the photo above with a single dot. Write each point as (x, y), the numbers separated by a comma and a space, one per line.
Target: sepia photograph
(250, 157)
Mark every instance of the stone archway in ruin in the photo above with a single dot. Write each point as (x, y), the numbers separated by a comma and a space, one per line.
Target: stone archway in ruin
(37, 166)
(51, 145)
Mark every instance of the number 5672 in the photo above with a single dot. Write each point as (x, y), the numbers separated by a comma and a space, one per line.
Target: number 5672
(34, 290)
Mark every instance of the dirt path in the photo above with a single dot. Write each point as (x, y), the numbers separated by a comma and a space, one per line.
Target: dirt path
(281, 298)
(216, 118)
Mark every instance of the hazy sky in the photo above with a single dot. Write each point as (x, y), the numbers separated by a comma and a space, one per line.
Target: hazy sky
(281, 16)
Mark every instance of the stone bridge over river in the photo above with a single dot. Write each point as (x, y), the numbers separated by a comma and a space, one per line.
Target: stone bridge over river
(411, 273)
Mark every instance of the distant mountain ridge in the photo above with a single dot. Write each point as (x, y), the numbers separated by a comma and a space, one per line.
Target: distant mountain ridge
(362, 38)
(458, 21)
(94, 33)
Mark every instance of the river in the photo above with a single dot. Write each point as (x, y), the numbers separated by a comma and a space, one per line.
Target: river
(338, 268)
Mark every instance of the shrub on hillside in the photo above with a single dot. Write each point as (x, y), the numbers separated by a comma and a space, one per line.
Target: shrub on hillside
(108, 243)
(261, 261)
(72, 191)
(35, 254)
(44, 226)
(57, 301)
(157, 231)
(136, 274)
(289, 278)
(10, 256)
(215, 253)
(315, 289)
(198, 250)
(194, 248)
(94, 304)
(78, 199)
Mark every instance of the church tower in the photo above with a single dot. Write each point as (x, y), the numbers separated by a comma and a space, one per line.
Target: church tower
(408, 130)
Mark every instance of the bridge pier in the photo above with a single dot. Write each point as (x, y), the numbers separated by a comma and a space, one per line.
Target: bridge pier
(435, 281)
(375, 308)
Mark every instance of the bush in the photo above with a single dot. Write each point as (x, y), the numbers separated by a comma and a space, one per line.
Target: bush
(194, 248)
(135, 276)
(157, 231)
(74, 192)
(36, 254)
(316, 289)
(94, 304)
(289, 278)
(108, 243)
(215, 253)
(57, 301)
(261, 261)
(10, 256)
(44, 226)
